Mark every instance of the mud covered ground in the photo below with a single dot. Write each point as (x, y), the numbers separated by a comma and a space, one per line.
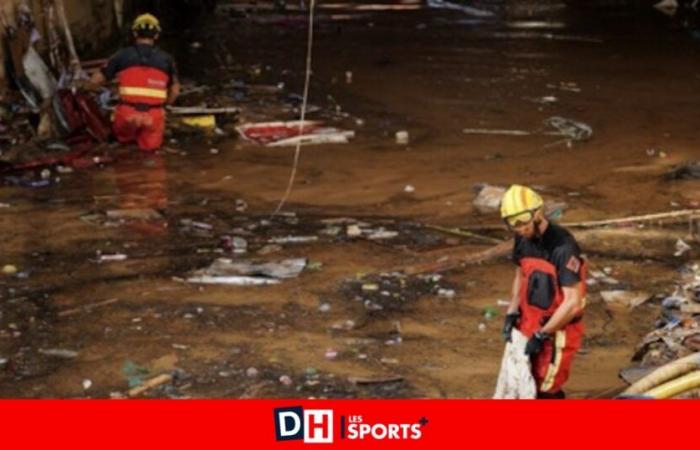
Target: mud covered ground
(329, 332)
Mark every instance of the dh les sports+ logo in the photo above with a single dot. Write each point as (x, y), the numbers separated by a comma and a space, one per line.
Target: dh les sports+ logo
(317, 426)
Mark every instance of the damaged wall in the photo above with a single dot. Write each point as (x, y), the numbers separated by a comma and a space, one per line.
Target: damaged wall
(92, 22)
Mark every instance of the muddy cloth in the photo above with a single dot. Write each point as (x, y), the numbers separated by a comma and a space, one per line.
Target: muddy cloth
(140, 55)
(558, 247)
(515, 379)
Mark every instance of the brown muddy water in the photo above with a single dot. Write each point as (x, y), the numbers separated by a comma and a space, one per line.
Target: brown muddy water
(432, 72)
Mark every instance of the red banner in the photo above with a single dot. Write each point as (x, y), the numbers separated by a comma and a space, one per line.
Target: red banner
(385, 424)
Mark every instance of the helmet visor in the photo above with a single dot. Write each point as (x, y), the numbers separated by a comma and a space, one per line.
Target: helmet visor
(520, 219)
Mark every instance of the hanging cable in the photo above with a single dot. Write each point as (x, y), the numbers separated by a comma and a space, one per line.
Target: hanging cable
(307, 82)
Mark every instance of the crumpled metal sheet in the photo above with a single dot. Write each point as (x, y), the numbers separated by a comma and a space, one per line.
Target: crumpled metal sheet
(226, 271)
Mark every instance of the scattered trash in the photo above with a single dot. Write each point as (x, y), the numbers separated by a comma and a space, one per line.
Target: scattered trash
(402, 137)
(488, 199)
(331, 354)
(600, 276)
(496, 132)
(86, 308)
(325, 307)
(372, 306)
(353, 231)
(538, 35)
(378, 380)
(277, 134)
(314, 266)
(251, 372)
(409, 189)
(345, 325)
(685, 171)
(490, 312)
(235, 244)
(241, 205)
(668, 7)
(570, 86)
(87, 384)
(555, 210)
(150, 384)
(134, 214)
(444, 4)
(233, 280)
(286, 380)
(631, 299)
(381, 234)
(226, 271)
(482, 327)
(370, 287)
(111, 258)
(571, 129)
(575, 131)
(681, 248)
(332, 231)
(204, 122)
(446, 293)
(269, 249)
(194, 224)
(9, 269)
(59, 353)
(293, 240)
(545, 100)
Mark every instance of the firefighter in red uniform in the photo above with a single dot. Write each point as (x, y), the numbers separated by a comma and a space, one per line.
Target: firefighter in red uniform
(147, 82)
(549, 290)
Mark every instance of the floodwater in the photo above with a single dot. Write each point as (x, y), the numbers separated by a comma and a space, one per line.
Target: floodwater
(630, 75)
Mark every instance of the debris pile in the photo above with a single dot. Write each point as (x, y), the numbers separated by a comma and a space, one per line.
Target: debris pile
(677, 331)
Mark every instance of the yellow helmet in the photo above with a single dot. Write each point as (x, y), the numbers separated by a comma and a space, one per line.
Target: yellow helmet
(146, 22)
(519, 204)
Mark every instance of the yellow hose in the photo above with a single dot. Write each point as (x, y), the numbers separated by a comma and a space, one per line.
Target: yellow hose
(675, 387)
(672, 370)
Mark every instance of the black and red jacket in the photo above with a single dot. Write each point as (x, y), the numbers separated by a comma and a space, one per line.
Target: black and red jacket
(144, 74)
(540, 293)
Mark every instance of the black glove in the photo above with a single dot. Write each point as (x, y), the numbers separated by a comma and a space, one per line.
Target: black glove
(509, 324)
(536, 343)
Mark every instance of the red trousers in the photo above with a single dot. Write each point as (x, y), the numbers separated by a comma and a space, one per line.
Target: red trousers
(552, 366)
(145, 128)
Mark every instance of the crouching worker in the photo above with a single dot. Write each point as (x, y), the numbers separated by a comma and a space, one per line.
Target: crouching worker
(147, 80)
(549, 289)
